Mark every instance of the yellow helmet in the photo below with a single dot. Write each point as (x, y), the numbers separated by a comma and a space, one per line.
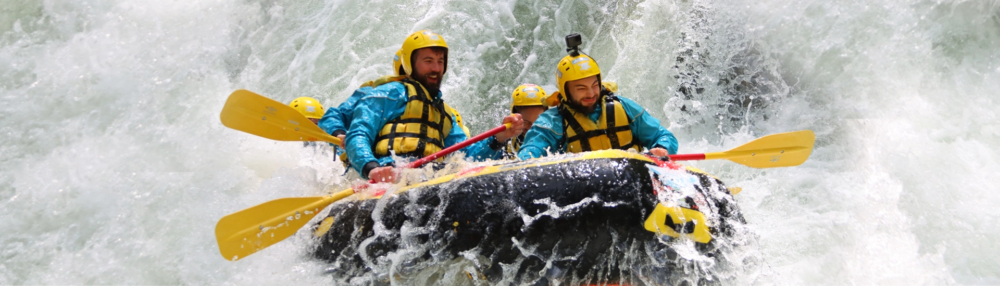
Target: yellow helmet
(308, 106)
(527, 95)
(572, 67)
(397, 63)
(419, 40)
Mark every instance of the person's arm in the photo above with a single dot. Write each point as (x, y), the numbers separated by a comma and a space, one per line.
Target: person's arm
(545, 136)
(332, 124)
(371, 113)
(647, 128)
(332, 121)
(337, 120)
(346, 109)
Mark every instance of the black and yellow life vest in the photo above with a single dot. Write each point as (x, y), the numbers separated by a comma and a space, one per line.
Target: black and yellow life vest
(513, 146)
(394, 78)
(422, 128)
(611, 131)
(372, 83)
(458, 119)
(383, 80)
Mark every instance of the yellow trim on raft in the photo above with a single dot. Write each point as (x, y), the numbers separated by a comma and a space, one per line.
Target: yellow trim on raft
(537, 162)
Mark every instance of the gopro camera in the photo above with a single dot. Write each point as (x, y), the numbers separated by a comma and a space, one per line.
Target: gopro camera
(573, 42)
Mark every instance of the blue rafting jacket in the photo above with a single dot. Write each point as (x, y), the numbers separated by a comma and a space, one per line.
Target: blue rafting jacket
(386, 103)
(337, 120)
(547, 132)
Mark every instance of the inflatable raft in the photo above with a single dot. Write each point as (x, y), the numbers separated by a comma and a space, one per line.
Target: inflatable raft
(592, 218)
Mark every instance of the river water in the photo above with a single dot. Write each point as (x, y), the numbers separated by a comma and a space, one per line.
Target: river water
(114, 167)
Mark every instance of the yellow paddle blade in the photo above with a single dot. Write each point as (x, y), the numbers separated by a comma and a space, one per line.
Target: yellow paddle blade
(248, 231)
(735, 190)
(776, 150)
(258, 115)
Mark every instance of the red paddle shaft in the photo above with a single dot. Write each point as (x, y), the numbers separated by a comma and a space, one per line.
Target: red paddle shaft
(687, 157)
(453, 148)
(449, 150)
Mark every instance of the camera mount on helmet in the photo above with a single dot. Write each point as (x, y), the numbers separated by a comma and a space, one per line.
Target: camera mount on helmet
(573, 42)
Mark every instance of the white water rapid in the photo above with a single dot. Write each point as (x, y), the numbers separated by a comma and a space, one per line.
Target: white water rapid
(115, 168)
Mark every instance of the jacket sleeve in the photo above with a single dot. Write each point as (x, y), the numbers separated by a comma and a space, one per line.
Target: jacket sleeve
(370, 113)
(337, 120)
(648, 129)
(546, 135)
(332, 121)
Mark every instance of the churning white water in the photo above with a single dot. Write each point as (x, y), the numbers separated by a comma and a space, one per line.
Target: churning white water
(114, 167)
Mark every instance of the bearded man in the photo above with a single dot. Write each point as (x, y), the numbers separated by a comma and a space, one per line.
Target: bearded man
(408, 117)
(590, 117)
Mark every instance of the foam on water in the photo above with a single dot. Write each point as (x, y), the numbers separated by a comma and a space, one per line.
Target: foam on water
(115, 167)
(898, 94)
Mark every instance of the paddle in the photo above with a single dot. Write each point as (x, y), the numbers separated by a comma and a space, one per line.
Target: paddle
(248, 231)
(244, 232)
(775, 150)
(258, 115)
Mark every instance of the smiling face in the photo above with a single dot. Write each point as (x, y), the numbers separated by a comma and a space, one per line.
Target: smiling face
(584, 93)
(429, 65)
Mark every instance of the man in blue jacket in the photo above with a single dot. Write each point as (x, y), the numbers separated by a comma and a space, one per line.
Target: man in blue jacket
(590, 117)
(408, 117)
(337, 120)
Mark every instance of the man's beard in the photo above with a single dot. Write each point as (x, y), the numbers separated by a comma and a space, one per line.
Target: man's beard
(580, 108)
(432, 88)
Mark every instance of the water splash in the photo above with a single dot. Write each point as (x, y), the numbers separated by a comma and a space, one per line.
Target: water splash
(511, 227)
(115, 169)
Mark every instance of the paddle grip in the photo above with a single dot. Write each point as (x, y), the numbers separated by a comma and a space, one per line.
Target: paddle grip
(687, 157)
